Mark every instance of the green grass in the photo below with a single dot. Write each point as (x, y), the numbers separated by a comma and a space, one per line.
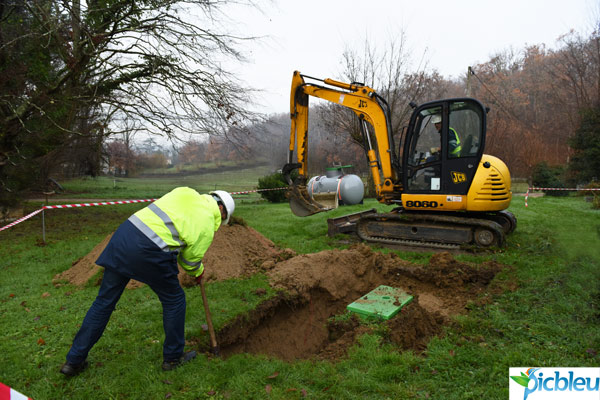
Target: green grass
(552, 318)
(144, 188)
(246, 166)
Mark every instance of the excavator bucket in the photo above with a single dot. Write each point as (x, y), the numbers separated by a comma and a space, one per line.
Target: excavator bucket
(329, 199)
(302, 204)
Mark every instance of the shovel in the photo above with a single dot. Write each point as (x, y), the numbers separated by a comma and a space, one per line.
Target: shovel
(213, 339)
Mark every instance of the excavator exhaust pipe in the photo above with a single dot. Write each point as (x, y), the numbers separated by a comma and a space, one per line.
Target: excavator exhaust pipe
(301, 204)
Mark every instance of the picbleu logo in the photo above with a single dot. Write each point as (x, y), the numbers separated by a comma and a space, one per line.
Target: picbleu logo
(555, 383)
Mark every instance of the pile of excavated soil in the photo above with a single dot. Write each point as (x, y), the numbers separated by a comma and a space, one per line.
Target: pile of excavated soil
(236, 251)
(84, 269)
(444, 285)
(298, 323)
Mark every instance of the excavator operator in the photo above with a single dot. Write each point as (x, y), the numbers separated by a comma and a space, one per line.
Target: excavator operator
(454, 147)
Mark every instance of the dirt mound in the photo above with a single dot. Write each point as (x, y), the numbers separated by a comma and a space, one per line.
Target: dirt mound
(236, 251)
(444, 285)
(85, 268)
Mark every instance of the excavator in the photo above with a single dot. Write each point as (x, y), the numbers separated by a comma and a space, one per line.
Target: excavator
(445, 191)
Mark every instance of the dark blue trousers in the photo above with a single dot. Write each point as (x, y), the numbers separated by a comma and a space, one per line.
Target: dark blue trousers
(131, 255)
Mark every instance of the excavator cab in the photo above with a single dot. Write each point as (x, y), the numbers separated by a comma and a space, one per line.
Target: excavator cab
(442, 149)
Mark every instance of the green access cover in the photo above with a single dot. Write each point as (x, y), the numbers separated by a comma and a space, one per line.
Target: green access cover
(383, 302)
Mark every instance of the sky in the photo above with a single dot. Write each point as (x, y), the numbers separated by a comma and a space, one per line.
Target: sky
(450, 35)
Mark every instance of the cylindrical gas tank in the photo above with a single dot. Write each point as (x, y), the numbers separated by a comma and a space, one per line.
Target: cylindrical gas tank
(348, 189)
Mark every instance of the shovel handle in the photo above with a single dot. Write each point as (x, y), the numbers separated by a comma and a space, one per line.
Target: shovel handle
(211, 330)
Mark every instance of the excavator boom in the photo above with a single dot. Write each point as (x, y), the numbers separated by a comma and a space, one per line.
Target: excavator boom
(368, 107)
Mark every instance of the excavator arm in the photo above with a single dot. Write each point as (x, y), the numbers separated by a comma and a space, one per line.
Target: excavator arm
(369, 107)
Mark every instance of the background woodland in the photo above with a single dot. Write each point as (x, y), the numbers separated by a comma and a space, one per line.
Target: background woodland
(118, 87)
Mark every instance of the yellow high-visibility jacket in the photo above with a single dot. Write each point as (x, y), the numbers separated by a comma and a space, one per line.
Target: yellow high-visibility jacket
(454, 143)
(182, 220)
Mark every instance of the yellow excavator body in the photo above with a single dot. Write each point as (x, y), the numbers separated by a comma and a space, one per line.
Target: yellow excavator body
(447, 193)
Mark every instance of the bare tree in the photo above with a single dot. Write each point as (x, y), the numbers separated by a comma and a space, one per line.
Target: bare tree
(158, 63)
(389, 69)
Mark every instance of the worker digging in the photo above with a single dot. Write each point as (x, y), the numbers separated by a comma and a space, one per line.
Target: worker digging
(176, 229)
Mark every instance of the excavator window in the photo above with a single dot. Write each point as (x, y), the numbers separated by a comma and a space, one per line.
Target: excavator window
(444, 134)
(426, 141)
(424, 162)
(464, 131)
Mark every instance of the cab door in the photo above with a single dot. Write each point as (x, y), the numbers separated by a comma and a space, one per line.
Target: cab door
(443, 147)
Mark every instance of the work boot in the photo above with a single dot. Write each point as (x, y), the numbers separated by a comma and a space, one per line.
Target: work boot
(71, 370)
(171, 365)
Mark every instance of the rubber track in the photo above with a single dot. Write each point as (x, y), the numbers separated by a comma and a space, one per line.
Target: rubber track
(416, 218)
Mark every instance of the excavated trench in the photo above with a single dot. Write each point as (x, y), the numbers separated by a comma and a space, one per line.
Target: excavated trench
(298, 323)
(289, 330)
(312, 288)
(282, 327)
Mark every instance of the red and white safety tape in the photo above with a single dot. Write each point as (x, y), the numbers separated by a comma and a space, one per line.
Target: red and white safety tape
(22, 219)
(257, 190)
(105, 203)
(101, 203)
(8, 393)
(572, 189)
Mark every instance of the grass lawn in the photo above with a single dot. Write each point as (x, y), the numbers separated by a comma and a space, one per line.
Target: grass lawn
(551, 318)
(106, 187)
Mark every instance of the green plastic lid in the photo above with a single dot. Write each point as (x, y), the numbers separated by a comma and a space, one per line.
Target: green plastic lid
(381, 302)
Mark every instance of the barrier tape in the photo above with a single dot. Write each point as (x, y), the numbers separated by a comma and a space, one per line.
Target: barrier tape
(8, 393)
(22, 219)
(257, 190)
(101, 203)
(582, 190)
(573, 189)
(106, 203)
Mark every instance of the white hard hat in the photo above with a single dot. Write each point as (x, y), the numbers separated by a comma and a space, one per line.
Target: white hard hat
(436, 119)
(227, 201)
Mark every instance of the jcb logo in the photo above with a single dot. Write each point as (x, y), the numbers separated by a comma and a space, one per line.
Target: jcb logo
(362, 104)
(458, 177)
